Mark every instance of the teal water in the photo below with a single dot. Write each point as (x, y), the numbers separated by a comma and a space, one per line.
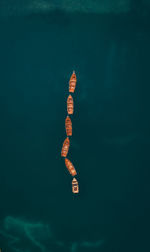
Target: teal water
(111, 139)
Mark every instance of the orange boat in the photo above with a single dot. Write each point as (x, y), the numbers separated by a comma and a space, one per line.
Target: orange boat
(70, 167)
(70, 105)
(68, 126)
(72, 82)
(65, 147)
(75, 186)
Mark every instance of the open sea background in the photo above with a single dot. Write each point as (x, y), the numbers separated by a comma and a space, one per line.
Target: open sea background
(107, 43)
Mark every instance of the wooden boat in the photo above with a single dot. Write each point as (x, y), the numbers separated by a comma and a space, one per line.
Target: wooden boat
(65, 147)
(72, 82)
(75, 186)
(70, 105)
(70, 167)
(68, 126)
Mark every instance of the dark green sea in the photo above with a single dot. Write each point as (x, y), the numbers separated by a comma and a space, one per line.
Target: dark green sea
(110, 145)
